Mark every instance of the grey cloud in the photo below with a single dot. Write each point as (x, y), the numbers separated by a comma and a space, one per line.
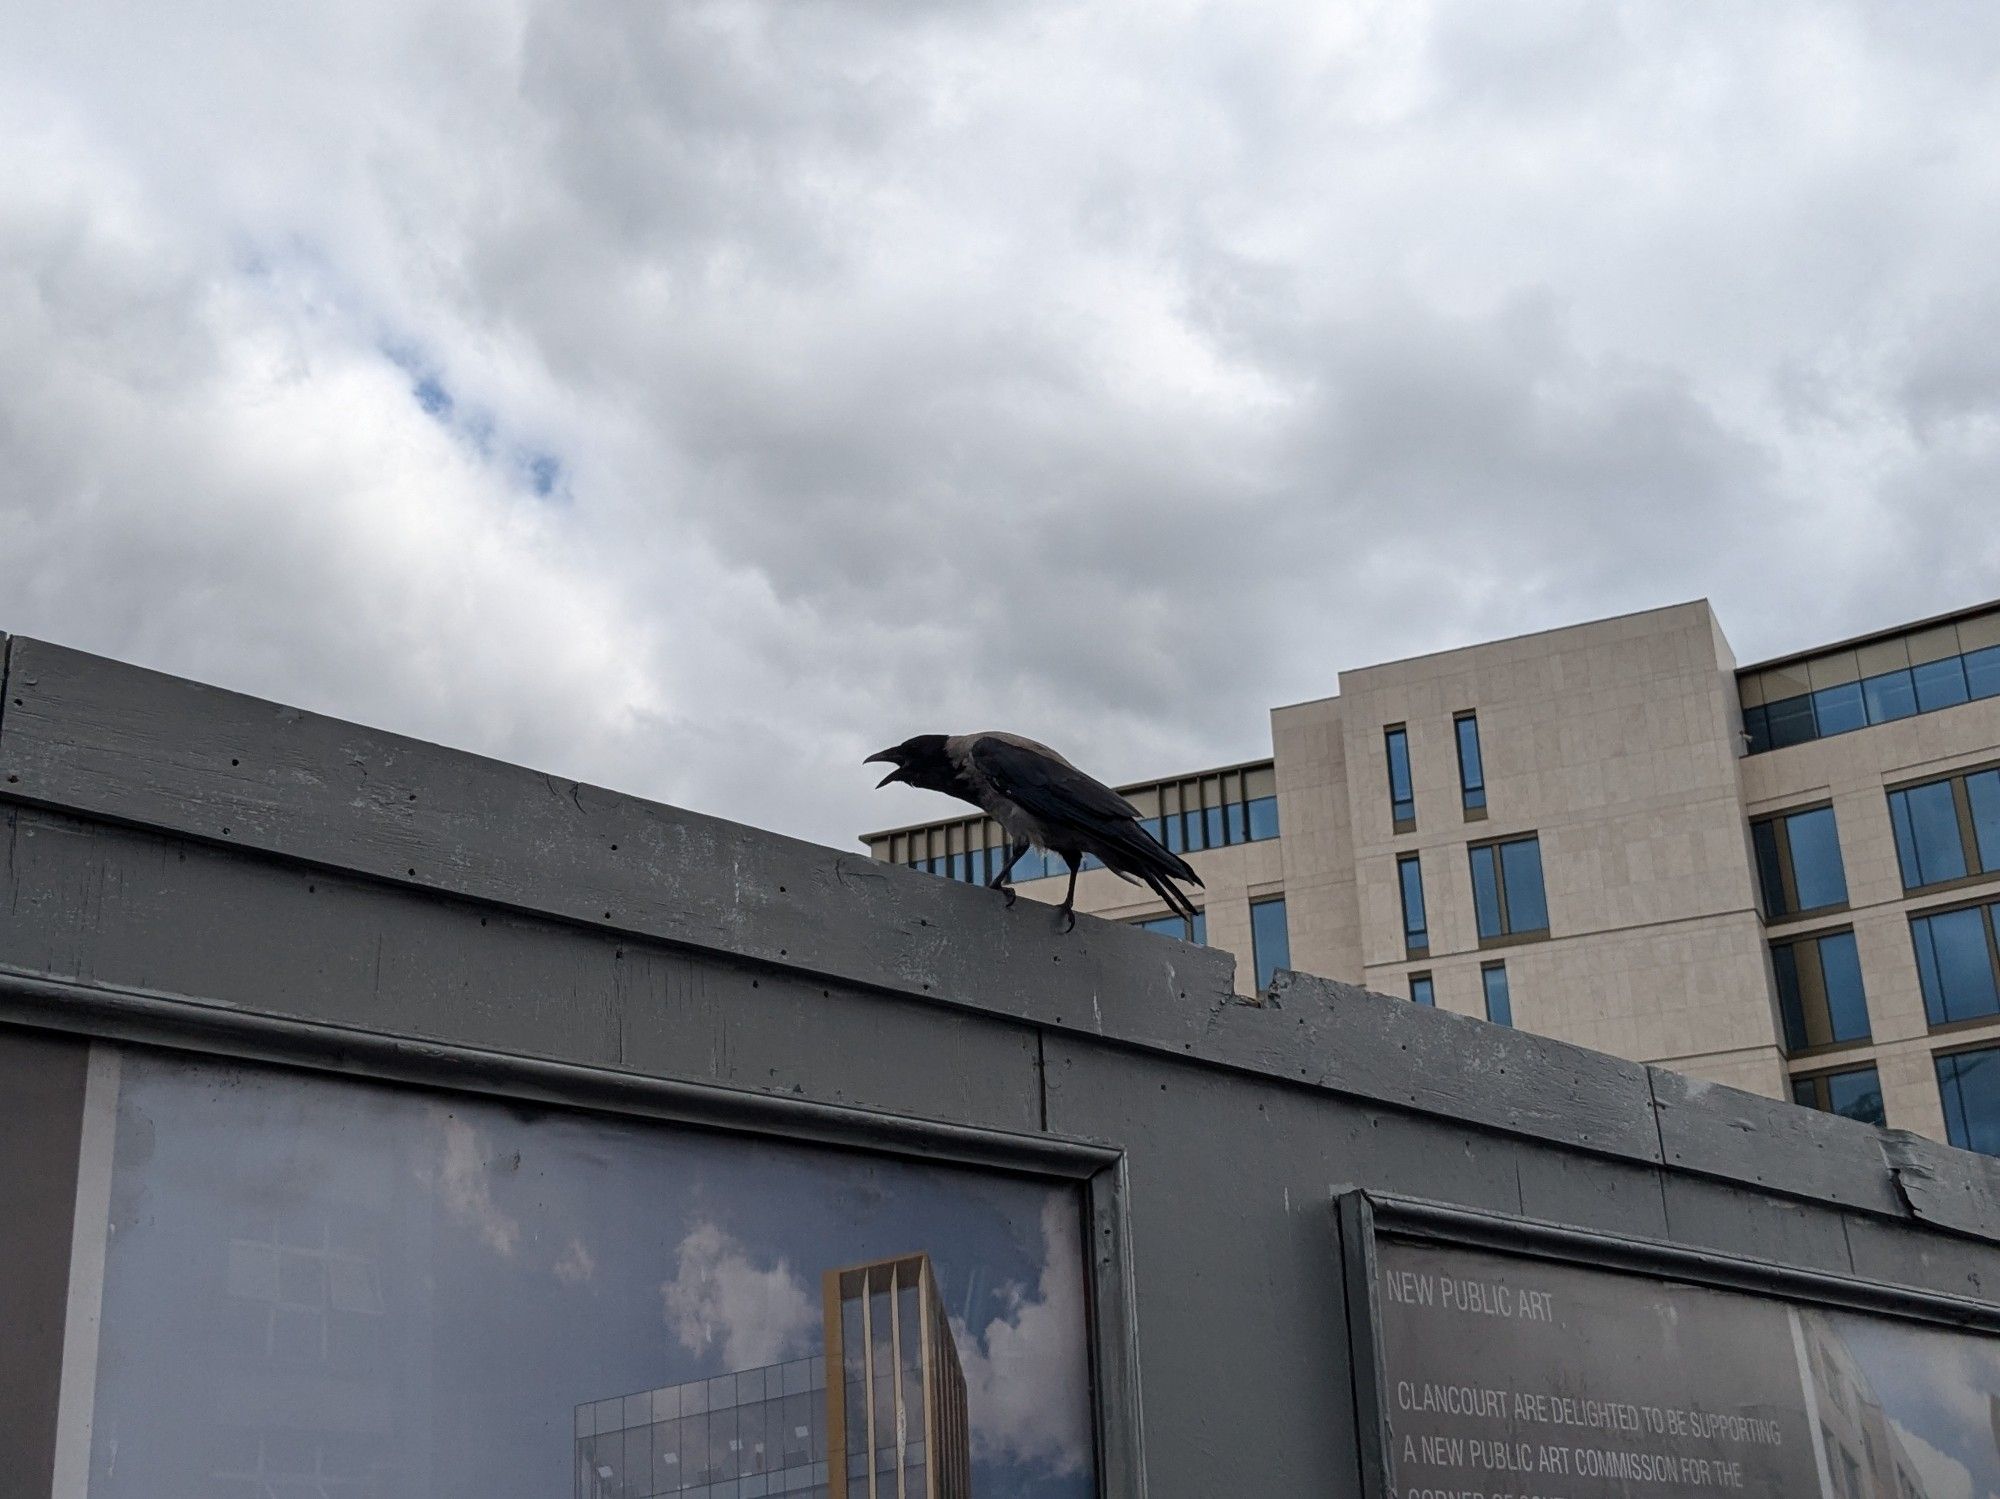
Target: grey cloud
(1031, 366)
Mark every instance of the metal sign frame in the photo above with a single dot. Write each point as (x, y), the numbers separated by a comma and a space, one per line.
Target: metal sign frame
(120, 1015)
(1364, 1217)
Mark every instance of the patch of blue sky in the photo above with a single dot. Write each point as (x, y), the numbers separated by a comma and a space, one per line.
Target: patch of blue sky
(434, 398)
(545, 473)
(539, 471)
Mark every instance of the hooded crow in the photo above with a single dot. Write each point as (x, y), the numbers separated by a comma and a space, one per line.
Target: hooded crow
(1039, 798)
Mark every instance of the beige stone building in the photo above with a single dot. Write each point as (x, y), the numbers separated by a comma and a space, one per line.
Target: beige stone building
(1783, 876)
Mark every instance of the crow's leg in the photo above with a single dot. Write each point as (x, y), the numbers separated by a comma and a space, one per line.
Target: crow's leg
(1068, 906)
(1000, 880)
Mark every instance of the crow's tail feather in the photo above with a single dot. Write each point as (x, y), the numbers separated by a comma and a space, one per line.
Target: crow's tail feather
(1178, 903)
(1135, 853)
(1142, 851)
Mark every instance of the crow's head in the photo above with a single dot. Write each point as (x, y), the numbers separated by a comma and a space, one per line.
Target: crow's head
(919, 762)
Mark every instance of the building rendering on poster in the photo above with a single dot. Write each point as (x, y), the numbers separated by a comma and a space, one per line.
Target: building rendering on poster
(900, 1402)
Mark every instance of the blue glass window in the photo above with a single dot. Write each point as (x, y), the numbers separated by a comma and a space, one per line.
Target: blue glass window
(1846, 1000)
(1091, 861)
(1969, 1086)
(1982, 672)
(1820, 994)
(1263, 818)
(1499, 1002)
(1955, 965)
(1791, 1008)
(1839, 710)
(1798, 862)
(1416, 930)
(1882, 698)
(1982, 795)
(1270, 940)
(1156, 826)
(1770, 868)
(1176, 833)
(1422, 992)
(1855, 1093)
(1928, 847)
(1196, 830)
(1507, 894)
(1402, 797)
(1195, 931)
(1521, 877)
(1471, 770)
(1791, 721)
(1817, 873)
(1486, 892)
(1757, 729)
(1239, 821)
(1940, 684)
(1212, 825)
(1890, 696)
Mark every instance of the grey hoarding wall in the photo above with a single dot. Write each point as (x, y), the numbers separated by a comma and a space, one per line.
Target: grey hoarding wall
(180, 857)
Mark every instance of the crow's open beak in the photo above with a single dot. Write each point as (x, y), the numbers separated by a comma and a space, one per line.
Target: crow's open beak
(888, 757)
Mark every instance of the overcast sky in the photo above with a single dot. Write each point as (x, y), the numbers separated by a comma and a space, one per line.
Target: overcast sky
(694, 398)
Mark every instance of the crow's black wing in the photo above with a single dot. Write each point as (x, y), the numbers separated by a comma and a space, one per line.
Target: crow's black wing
(1048, 788)
(1064, 797)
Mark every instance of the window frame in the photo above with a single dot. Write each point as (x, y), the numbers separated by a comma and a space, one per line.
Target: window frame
(1460, 722)
(1807, 995)
(1781, 836)
(1901, 686)
(1097, 1173)
(1189, 814)
(1424, 977)
(1819, 1080)
(1950, 1054)
(1486, 972)
(1406, 866)
(1193, 931)
(1391, 734)
(1989, 909)
(1368, 1216)
(1977, 873)
(1507, 937)
(1256, 955)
